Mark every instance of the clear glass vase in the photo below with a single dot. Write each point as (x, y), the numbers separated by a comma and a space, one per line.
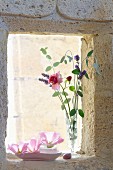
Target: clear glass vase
(71, 135)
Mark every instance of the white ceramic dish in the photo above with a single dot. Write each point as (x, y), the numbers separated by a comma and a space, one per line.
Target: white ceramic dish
(48, 150)
(39, 156)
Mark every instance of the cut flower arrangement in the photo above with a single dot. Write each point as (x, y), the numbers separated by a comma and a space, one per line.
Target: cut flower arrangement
(68, 89)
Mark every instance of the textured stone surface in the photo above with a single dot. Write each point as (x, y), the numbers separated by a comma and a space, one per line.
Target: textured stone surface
(90, 9)
(98, 104)
(103, 99)
(52, 26)
(3, 25)
(98, 121)
(88, 163)
(32, 8)
(88, 134)
(86, 9)
(3, 90)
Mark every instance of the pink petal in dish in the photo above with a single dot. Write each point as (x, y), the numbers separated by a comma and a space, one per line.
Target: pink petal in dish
(33, 145)
(13, 148)
(22, 147)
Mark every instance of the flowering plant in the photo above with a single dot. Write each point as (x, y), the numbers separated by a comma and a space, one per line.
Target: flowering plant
(68, 89)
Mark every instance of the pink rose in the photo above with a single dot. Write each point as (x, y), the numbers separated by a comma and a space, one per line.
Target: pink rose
(55, 81)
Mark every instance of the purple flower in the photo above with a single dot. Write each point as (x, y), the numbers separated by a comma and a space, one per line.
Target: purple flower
(84, 72)
(76, 57)
(43, 80)
(77, 67)
(81, 74)
(45, 75)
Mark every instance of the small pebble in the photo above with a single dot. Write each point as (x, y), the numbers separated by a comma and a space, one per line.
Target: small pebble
(67, 156)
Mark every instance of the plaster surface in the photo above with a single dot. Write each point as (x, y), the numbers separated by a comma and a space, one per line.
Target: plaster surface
(27, 96)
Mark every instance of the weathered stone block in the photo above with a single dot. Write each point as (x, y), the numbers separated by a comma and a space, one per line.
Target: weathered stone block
(32, 8)
(3, 91)
(86, 9)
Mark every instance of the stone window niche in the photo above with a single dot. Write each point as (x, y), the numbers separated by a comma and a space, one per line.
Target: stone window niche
(31, 102)
(94, 23)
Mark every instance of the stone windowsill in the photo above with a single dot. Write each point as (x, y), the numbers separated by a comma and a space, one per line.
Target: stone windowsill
(79, 163)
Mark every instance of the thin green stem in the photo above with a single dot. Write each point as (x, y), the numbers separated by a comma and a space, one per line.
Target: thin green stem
(76, 94)
(52, 66)
(65, 97)
(60, 97)
(74, 85)
(67, 52)
(74, 100)
(84, 59)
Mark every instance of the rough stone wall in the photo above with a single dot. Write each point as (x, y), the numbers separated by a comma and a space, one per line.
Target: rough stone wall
(85, 163)
(73, 17)
(3, 89)
(84, 10)
(88, 134)
(103, 99)
(98, 119)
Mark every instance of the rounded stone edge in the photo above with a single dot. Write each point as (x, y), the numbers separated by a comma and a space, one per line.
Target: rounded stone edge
(42, 10)
(88, 17)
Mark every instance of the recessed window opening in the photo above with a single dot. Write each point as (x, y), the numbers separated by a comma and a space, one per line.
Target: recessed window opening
(31, 107)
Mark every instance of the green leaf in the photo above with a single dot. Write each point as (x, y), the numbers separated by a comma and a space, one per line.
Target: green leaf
(62, 107)
(66, 101)
(70, 58)
(65, 61)
(56, 94)
(76, 71)
(80, 87)
(90, 53)
(56, 64)
(80, 93)
(48, 57)
(43, 50)
(65, 93)
(62, 59)
(87, 62)
(86, 75)
(81, 113)
(72, 88)
(72, 112)
(48, 68)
